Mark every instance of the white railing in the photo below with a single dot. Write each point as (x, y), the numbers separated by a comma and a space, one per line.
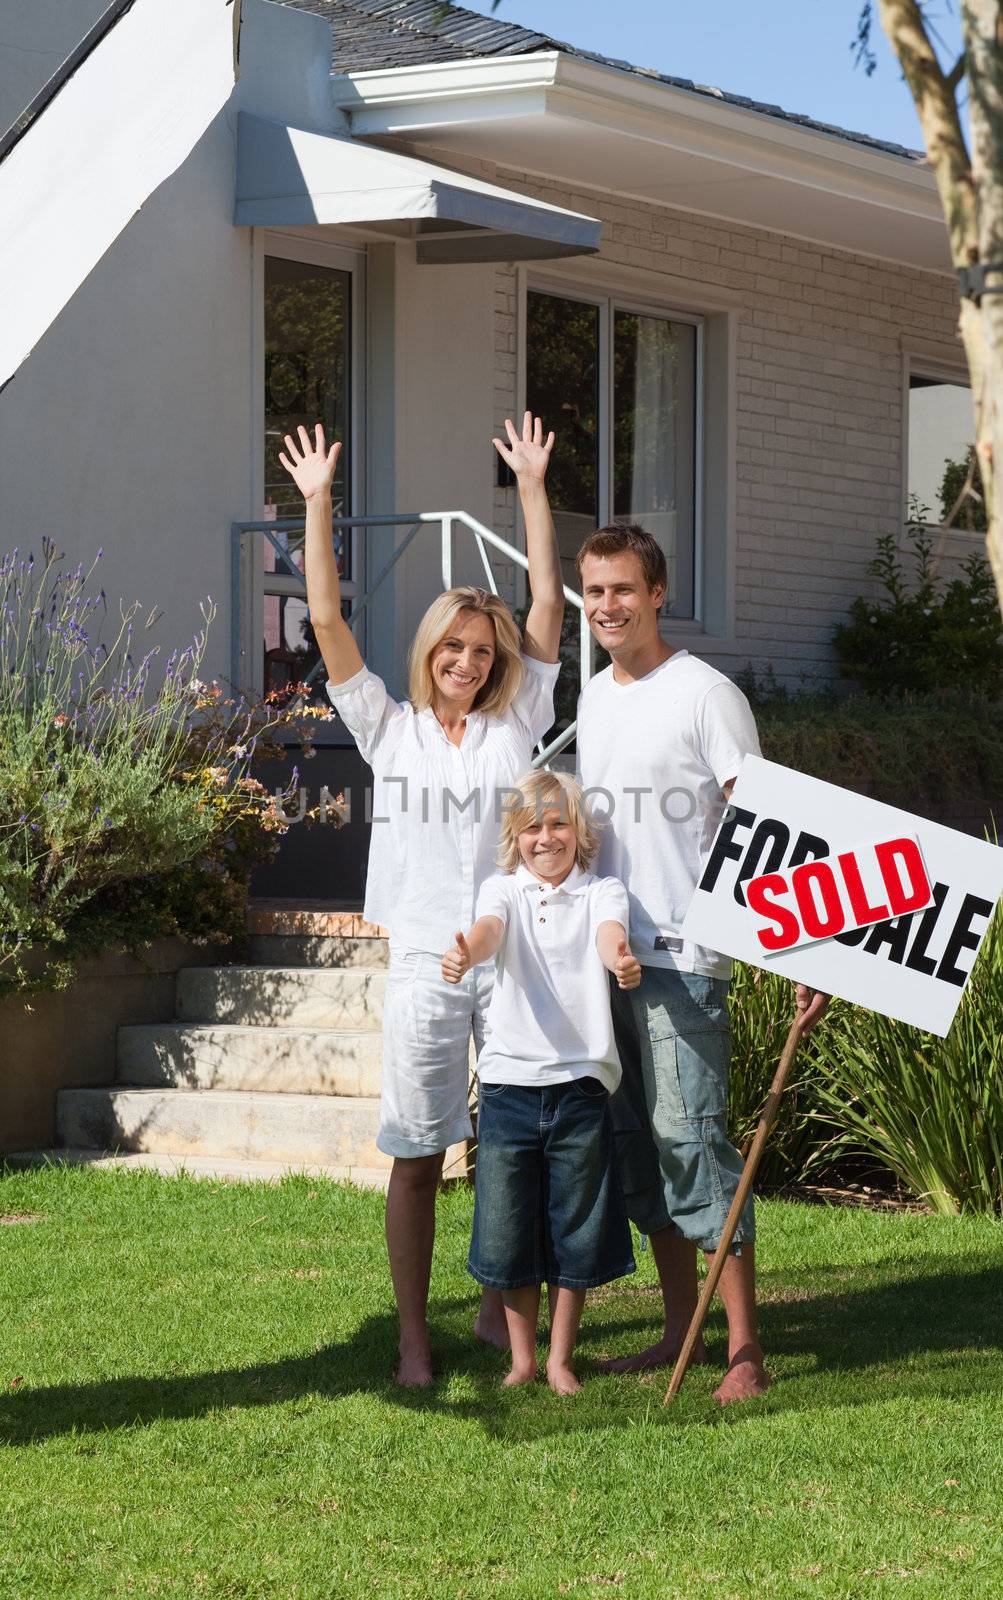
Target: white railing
(291, 581)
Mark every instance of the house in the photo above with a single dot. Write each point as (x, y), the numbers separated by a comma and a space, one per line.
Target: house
(414, 223)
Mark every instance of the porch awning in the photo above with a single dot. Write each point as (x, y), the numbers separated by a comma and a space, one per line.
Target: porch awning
(293, 177)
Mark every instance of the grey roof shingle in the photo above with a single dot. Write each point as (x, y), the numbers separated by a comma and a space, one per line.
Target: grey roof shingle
(368, 34)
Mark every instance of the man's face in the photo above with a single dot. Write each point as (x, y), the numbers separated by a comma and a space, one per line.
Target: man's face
(621, 610)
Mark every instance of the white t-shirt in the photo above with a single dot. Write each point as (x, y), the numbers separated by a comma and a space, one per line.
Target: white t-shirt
(437, 806)
(661, 748)
(549, 1018)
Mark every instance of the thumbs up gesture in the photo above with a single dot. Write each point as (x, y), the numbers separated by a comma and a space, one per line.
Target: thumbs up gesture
(456, 961)
(627, 968)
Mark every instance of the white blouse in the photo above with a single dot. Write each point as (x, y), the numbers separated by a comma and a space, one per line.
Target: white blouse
(437, 806)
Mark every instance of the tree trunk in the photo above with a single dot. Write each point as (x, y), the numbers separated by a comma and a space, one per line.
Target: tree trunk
(982, 21)
(971, 194)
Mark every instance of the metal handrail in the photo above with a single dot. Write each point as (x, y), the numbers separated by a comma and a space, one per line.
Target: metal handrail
(482, 536)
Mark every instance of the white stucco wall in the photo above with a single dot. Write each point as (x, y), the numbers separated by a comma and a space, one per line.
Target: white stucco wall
(444, 405)
(128, 427)
(131, 426)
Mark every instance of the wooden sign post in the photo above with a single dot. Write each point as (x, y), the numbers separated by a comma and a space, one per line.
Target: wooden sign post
(766, 1121)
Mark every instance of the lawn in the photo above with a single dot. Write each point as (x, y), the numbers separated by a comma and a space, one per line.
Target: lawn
(194, 1401)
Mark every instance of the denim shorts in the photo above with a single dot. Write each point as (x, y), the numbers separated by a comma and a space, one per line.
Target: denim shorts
(548, 1206)
(676, 1163)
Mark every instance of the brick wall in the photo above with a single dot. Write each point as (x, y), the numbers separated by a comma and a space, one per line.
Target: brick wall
(820, 405)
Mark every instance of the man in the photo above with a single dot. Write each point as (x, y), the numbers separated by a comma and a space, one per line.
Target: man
(661, 735)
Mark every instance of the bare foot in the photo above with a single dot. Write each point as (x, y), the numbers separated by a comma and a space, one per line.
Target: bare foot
(520, 1375)
(662, 1354)
(745, 1378)
(490, 1325)
(562, 1379)
(414, 1370)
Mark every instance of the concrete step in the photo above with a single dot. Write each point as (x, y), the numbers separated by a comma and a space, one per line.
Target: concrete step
(284, 997)
(323, 918)
(313, 933)
(317, 950)
(298, 1130)
(215, 1167)
(298, 1061)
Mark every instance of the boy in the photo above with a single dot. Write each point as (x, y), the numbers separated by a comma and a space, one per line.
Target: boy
(548, 1205)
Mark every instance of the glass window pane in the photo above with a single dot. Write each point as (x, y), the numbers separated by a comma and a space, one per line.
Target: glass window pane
(562, 387)
(654, 436)
(941, 431)
(307, 380)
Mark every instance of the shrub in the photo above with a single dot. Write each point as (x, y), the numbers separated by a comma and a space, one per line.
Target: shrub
(922, 753)
(923, 636)
(129, 808)
(929, 1109)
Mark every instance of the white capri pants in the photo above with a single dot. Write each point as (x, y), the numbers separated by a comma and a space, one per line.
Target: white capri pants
(427, 1024)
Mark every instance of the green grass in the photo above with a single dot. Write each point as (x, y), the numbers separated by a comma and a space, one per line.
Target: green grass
(194, 1401)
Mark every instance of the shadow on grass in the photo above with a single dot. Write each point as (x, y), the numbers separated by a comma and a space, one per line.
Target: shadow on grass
(927, 1334)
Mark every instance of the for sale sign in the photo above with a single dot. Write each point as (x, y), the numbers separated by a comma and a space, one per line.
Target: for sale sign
(846, 894)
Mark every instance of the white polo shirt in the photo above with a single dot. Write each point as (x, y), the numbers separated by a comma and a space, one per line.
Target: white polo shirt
(549, 1018)
(436, 806)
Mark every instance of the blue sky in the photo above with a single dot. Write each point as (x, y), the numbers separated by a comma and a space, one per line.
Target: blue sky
(792, 53)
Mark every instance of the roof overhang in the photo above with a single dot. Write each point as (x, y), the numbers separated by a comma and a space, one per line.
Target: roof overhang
(601, 127)
(293, 177)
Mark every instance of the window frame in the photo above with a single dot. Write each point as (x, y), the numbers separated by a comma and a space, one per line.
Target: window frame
(610, 300)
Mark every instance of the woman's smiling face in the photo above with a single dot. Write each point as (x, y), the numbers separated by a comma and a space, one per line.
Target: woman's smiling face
(462, 660)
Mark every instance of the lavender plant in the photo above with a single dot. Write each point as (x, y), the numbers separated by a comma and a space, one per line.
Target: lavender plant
(112, 772)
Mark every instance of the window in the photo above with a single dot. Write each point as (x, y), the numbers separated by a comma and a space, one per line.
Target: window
(941, 431)
(620, 388)
(307, 378)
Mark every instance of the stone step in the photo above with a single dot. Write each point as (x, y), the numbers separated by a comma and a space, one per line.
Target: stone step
(214, 1167)
(279, 1061)
(317, 950)
(284, 997)
(313, 933)
(299, 1130)
(323, 918)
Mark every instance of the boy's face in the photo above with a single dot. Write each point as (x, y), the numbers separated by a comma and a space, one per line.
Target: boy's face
(621, 610)
(547, 846)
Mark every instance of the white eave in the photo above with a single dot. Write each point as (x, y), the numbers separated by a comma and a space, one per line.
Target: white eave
(288, 176)
(599, 127)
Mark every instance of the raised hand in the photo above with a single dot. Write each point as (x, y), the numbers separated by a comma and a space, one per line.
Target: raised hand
(456, 961)
(627, 968)
(310, 465)
(528, 456)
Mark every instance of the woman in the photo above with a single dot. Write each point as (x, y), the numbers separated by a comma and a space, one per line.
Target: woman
(442, 763)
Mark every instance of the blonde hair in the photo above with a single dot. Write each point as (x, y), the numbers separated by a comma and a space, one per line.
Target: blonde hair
(506, 670)
(538, 791)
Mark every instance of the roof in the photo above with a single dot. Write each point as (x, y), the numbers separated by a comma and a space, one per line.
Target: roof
(369, 34)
